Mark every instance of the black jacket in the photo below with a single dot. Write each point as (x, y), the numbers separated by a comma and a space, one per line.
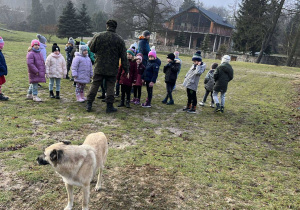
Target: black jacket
(171, 70)
(222, 76)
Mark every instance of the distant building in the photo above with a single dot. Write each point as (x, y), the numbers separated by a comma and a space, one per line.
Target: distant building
(191, 25)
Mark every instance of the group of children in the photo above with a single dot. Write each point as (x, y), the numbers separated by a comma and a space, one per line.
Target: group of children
(54, 67)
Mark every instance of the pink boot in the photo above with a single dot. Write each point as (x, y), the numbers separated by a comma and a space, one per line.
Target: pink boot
(82, 96)
(79, 99)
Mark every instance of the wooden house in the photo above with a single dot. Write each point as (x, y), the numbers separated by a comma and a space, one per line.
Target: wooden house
(191, 26)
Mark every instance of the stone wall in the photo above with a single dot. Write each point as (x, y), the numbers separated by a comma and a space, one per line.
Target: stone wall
(271, 60)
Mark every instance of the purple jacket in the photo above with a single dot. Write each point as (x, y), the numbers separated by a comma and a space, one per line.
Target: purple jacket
(82, 68)
(36, 65)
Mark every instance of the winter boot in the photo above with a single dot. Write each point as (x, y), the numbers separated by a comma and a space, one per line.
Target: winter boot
(89, 106)
(82, 96)
(51, 94)
(217, 107)
(201, 103)
(133, 100)
(110, 108)
(37, 99)
(222, 109)
(121, 104)
(29, 97)
(188, 107)
(101, 97)
(57, 95)
(79, 99)
(137, 101)
(171, 102)
(165, 100)
(212, 105)
(128, 104)
(3, 98)
(192, 110)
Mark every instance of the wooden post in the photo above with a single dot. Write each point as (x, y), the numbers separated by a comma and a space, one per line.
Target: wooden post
(166, 38)
(220, 42)
(215, 43)
(190, 41)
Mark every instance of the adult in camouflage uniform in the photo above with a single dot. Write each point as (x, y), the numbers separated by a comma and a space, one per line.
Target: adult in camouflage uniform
(109, 48)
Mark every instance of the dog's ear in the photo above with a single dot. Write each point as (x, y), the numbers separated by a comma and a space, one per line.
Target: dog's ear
(66, 142)
(56, 155)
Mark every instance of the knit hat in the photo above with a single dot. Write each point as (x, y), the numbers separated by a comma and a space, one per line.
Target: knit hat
(140, 54)
(176, 53)
(112, 24)
(130, 51)
(152, 53)
(1, 43)
(146, 33)
(197, 56)
(41, 38)
(139, 57)
(71, 41)
(171, 56)
(226, 59)
(55, 47)
(33, 42)
(82, 48)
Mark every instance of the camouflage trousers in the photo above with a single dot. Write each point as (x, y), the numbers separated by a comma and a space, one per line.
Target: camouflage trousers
(110, 85)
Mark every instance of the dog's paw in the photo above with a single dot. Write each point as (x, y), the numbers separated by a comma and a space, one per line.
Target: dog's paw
(97, 188)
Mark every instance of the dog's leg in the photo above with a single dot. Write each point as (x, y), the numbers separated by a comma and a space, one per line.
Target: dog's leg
(98, 185)
(86, 197)
(70, 196)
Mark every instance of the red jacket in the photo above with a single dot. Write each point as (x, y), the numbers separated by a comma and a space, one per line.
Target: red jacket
(140, 72)
(122, 76)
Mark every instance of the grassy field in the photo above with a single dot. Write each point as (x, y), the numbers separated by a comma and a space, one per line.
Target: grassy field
(159, 158)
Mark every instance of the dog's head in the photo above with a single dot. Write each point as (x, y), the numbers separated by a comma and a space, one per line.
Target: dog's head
(53, 154)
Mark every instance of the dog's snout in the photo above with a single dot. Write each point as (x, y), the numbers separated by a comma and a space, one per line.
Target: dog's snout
(41, 160)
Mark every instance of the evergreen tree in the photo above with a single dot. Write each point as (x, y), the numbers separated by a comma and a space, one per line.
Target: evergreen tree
(36, 16)
(187, 4)
(180, 40)
(99, 21)
(68, 22)
(205, 47)
(250, 25)
(85, 22)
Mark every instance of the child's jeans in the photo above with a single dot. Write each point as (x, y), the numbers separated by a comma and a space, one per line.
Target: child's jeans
(206, 95)
(215, 95)
(79, 88)
(33, 89)
(57, 82)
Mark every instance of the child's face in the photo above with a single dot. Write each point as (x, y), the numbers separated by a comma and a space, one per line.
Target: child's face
(148, 37)
(138, 61)
(169, 60)
(129, 56)
(36, 46)
(151, 58)
(84, 53)
(56, 52)
(196, 62)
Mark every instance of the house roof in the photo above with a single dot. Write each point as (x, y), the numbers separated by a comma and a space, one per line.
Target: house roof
(210, 15)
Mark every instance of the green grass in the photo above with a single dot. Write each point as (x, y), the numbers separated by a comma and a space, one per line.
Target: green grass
(159, 158)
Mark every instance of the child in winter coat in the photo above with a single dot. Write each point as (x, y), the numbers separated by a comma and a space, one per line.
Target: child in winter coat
(144, 47)
(126, 81)
(70, 52)
(3, 70)
(137, 88)
(171, 70)
(36, 70)
(223, 75)
(150, 76)
(82, 71)
(55, 70)
(191, 82)
(209, 85)
(43, 46)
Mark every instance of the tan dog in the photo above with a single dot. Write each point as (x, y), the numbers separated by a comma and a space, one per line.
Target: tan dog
(77, 165)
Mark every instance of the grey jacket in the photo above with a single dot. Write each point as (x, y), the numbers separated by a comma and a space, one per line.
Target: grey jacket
(192, 77)
(209, 80)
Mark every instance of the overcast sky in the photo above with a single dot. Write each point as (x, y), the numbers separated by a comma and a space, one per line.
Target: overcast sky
(218, 3)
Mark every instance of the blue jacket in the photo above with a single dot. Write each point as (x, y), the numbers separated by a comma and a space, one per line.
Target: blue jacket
(144, 48)
(3, 67)
(151, 71)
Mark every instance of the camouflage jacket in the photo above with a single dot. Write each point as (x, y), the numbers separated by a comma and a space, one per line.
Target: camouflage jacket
(109, 47)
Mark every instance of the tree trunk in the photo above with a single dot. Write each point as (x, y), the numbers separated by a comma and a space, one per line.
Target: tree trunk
(270, 32)
(294, 47)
